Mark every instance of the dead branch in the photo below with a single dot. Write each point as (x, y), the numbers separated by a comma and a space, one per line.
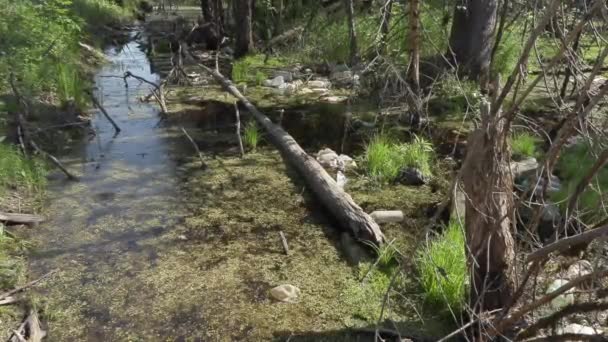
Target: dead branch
(516, 316)
(9, 300)
(238, 129)
(334, 198)
(104, 112)
(195, 145)
(21, 218)
(28, 285)
(570, 338)
(158, 91)
(54, 160)
(284, 243)
(571, 309)
(566, 243)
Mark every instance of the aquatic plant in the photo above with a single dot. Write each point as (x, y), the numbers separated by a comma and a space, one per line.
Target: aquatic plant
(252, 135)
(384, 158)
(523, 144)
(442, 269)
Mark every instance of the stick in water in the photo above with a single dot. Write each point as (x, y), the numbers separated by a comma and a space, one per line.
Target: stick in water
(238, 129)
(104, 112)
(198, 151)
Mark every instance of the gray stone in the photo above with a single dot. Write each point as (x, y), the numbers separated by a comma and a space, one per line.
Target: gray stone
(319, 84)
(275, 82)
(526, 165)
(387, 216)
(328, 158)
(285, 293)
(564, 299)
(334, 99)
(345, 162)
(411, 176)
(287, 75)
(578, 269)
(578, 329)
(341, 179)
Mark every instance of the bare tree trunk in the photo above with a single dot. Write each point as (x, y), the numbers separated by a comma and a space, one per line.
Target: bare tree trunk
(414, 45)
(208, 13)
(354, 50)
(472, 36)
(243, 15)
(489, 212)
(387, 10)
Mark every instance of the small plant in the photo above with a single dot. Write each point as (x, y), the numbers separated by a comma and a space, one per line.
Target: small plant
(70, 87)
(524, 144)
(252, 135)
(384, 159)
(442, 269)
(17, 171)
(385, 253)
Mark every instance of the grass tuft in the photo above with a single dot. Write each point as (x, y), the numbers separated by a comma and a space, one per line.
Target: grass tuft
(443, 270)
(524, 144)
(252, 135)
(19, 172)
(385, 158)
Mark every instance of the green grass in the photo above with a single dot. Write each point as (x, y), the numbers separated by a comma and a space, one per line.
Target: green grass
(17, 172)
(384, 158)
(254, 68)
(252, 135)
(101, 12)
(523, 144)
(70, 86)
(12, 265)
(442, 269)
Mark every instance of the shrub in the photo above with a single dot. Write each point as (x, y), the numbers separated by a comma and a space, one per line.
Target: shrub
(384, 158)
(252, 135)
(524, 144)
(442, 268)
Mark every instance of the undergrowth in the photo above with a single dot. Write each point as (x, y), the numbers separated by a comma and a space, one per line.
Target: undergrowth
(18, 172)
(523, 144)
(385, 158)
(256, 68)
(252, 135)
(442, 269)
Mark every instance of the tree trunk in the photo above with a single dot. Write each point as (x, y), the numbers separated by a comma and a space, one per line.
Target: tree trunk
(354, 50)
(387, 10)
(208, 13)
(489, 212)
(338, 202)
(414, 45)
(472, 36)
(243, 16)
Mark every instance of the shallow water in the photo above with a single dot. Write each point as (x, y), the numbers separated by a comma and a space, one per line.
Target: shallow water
(150, 247)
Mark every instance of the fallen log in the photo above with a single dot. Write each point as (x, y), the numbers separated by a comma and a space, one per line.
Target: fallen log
(335, 199)
(20, 218)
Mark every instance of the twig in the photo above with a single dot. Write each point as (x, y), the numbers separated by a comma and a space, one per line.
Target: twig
(570, 338)
(238, 129)
(9, 300)
(54, 160)
(30, 284)
(284, 242)
(556, 316)
(104, 112)
(566, 243)
(198, 151)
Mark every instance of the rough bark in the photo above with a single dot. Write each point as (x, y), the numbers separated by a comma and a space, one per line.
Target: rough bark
(488, 186)
(472, 36)
(414, 45)
(208, 13)
(243, 15)
(335, 199)
(20, 218)
(352, 33)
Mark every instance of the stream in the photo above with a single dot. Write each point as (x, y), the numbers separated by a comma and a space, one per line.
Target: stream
(149, 247)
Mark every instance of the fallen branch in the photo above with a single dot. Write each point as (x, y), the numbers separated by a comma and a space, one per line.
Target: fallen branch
(28, 285)
(334, 198)
(54, 160)
(238, 129)
(20, 218)
(571, 309)
(284, 243)
(9, 300)
(158, 92)
(198, 151)
(104, 112)
(566, 243)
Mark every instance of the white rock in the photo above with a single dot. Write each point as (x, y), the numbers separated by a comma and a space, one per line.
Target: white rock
(328, 158)
(320, 90)
(526, 165)
(287, 76)
(563, 299)
(276, 82)
(285, 293)
(305, 91)
(578, 329)
(579, 269)
(334, 99)
(341, 179)
(319, 84)
(297, 83)
(347, 162)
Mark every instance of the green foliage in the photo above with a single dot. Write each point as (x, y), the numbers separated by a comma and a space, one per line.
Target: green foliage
(573, 165)
(442, 268)
(523, 144)
(252, 135)
(386, 253)
(252, 68)
(70, 86)
(100, 12)
(19, 172)
(384, 158)
(507, 54)
(12, 266)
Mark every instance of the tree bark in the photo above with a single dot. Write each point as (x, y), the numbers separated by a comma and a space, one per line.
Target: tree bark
(243, 15)
(387, 10)
(334, 198)
(472, 36)
(414, 45)
(354, 50)
(208, 13)
(489, 212)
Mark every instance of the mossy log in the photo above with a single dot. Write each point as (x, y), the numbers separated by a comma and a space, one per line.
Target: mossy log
(334, 198)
